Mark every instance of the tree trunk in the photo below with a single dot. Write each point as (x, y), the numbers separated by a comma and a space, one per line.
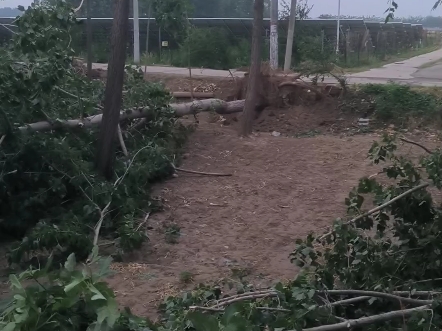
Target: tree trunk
(114, 89)
(290, 36)
(255, 70)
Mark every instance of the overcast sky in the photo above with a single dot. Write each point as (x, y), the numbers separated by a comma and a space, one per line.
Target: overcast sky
(348, 7)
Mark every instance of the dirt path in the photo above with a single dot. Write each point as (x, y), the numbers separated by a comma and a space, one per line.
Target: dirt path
(281, 189)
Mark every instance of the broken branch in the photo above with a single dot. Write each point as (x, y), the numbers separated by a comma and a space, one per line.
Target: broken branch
(349, 324)
(120, 138)
(203, 173)
(417, 144)
(378, 208)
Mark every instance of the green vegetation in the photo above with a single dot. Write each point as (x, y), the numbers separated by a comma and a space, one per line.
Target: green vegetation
(172, 232)
(186, 277)
(374, 270)
(379, 270)
(50, 194)
(395, 103)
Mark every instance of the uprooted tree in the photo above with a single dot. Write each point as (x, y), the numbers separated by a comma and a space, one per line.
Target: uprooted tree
(375, 269)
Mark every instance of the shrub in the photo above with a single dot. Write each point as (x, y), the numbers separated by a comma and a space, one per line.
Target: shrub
(400, 102)
(49, 191)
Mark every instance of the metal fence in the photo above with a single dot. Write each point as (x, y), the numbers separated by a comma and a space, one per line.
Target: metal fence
(360, 41)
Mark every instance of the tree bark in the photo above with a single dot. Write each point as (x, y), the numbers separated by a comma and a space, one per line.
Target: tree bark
(114, 90)
(255, 70)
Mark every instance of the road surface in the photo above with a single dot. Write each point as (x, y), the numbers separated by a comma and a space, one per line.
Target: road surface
(404, 72)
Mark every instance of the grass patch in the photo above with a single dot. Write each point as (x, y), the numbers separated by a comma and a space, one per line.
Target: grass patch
(400, 103)
(172, 233)
(186, 277)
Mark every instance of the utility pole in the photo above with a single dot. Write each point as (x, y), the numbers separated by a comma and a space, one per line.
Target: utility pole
(136, 32)
(338, 27)
(290, 36)
(89, 38)
(274, 34)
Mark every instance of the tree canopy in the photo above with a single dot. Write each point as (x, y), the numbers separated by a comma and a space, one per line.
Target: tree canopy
(200, 8)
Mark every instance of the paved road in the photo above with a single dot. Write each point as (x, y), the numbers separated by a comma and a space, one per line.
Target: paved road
(405, 72)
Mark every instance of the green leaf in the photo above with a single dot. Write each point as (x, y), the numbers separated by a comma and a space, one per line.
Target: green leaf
(229, 313)
(203, 322)
(72, 284)
(237, 323)
(108, 313)
(98, 295)
(70, 263)
(94, 254)
(15, 282)
(9, 327)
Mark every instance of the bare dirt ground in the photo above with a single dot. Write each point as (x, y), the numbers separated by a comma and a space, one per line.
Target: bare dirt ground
(282, 188)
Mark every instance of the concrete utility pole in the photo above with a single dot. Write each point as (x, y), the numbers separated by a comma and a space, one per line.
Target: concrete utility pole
(136, 33)
(274, 34)
(290, 36)
(89, 38)
(338, 27)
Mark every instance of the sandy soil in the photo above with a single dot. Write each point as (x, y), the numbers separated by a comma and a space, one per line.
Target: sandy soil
(282, 188)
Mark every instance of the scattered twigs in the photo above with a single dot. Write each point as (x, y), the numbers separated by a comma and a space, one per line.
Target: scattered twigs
(2, 138)
(283, 310)
(138, 125)
(201, 172)
(143, 222)
(348, 301)
(344, 324)
(245, 296)
(378, 208)
(349, 324)
(417, 293)
(416, 144)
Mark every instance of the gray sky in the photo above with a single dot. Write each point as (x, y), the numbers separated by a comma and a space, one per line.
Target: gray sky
(348, 7)
(374, 7)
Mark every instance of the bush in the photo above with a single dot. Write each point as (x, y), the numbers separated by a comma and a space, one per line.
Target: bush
(49, 191)
(400, 102)
(71, 298)
(204, 48)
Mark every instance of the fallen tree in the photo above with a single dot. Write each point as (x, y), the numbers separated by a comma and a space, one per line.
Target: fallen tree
(181, 109)
(199, 95)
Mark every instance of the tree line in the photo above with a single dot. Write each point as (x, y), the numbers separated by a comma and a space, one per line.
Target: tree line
(197, 8)
(427, 21)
